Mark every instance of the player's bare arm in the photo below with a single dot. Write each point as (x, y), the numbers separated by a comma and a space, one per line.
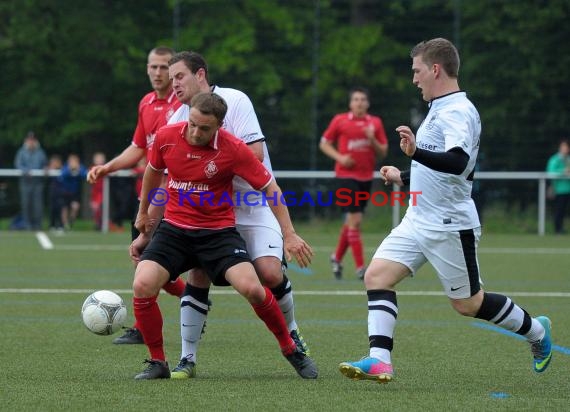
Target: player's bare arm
(257, 149)
(127, 159)
(152, 180)
(381, 150)
(328, 149)
(137, 247)
(391, 175)
(155, 211)
(293, 244)
(407, 140)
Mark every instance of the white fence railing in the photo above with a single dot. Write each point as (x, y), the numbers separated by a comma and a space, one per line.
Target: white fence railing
(540, 177)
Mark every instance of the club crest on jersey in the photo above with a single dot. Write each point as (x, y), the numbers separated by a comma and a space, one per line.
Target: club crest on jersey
(169, 114)
(211, 169)
(431, 122)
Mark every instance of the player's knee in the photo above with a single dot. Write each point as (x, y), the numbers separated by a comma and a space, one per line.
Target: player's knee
(468, 306)
(253, 292)
(373, 279)
(146, 285)
(464, 307)
(144, 289)
(270, 278)
(384, 274)
(269, 271)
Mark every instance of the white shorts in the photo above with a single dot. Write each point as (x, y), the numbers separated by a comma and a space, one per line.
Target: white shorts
(259, 228)
(453, 255)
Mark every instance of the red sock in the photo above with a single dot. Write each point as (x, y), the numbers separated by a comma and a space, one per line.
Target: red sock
(342, 243)
(175, 288)
(355, 242)
(271, 315)
(149, 322)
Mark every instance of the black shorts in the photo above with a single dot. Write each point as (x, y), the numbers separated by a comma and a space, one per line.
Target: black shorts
(69, 198)
(350, 187)
(179, 250)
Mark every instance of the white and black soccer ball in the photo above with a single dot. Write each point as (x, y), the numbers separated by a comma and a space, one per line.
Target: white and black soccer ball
(104, 312)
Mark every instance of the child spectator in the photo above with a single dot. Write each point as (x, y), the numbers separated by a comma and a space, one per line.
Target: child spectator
(96, 199)
(72, 175)
(55, 195)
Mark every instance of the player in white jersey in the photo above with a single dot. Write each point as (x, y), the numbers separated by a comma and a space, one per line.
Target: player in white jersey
(443, 227)
(254, 220)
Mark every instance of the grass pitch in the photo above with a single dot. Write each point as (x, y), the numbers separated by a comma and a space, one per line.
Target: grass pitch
(442, 361)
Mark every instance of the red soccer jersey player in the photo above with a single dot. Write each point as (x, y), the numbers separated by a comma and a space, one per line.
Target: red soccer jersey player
(154, 113)
(350, 133)
(203, 159)
(155, 108)
(359, 138)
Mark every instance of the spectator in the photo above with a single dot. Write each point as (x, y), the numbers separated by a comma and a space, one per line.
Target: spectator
(28, 158)
(559, 163)
(72, 175)
(96, 198)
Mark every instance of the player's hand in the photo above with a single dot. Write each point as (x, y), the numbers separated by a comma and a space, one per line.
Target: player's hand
(346, 161)
(294, 245)
(407, 140)
(96, 172)
(391, 175)
(369, 132)
(145, 224)
(137, 247)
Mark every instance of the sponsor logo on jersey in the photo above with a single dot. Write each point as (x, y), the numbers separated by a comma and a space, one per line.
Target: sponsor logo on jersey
(426, 146)
(188, 186)
(358, 144)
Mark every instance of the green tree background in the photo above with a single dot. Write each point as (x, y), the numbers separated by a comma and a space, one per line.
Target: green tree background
(74, 72)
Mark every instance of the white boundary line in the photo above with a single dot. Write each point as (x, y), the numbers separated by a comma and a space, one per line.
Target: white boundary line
(508, 251)
(44, 241)
(297, 292)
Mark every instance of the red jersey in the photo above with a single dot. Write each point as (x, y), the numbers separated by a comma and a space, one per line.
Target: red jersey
(200, 177)
(97, 192)
(347, 131)
(153, 114)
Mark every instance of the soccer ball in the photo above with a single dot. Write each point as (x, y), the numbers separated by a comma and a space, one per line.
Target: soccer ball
(104, 312)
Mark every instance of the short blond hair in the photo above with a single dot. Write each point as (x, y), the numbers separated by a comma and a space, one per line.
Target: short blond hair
(438, 51)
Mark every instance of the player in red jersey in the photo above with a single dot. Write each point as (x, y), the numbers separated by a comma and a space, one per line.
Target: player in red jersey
(155, 108)
(198, 228)
(359, 138)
